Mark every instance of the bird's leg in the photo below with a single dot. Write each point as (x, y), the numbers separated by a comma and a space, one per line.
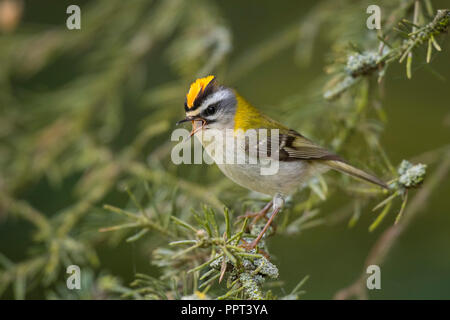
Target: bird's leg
(246, 244)
(257, 215)
(278, 203)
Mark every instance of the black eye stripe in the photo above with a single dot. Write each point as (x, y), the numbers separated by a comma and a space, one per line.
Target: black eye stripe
(211, 109)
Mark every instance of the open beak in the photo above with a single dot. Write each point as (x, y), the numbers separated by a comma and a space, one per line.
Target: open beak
(185, 120)
(193, 119)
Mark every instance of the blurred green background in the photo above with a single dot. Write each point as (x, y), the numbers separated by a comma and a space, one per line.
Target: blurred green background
(332, 254)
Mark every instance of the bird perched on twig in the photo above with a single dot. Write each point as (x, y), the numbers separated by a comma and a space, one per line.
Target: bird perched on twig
(212, 106)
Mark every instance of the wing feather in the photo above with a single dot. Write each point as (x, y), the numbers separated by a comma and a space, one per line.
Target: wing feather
(294, 146)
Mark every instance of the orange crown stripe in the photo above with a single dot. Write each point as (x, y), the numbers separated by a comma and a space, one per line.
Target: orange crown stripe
(196, 88)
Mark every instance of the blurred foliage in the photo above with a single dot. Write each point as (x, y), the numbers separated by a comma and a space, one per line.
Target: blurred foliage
(65, 121)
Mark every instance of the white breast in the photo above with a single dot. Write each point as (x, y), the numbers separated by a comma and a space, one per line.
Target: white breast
(249, 172)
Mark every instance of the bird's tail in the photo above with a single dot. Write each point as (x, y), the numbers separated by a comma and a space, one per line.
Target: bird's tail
(355, 172)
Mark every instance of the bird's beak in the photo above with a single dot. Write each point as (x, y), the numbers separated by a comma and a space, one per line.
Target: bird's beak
(196, 118)
(185, 120)
(193, 119)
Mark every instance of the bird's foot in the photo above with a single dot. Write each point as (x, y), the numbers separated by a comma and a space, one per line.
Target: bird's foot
(257, 215)
(248, 246)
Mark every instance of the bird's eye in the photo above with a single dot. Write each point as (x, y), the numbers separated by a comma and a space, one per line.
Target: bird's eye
(210, 110)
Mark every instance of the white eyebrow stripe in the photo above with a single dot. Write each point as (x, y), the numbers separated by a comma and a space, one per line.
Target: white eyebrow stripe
(193, 113)
(215, 97)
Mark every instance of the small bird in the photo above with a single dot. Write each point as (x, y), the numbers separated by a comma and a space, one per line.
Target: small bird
(209, 105)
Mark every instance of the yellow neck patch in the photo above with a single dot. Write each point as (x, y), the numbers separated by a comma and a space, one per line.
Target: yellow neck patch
(248, 117)
(196, 88)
